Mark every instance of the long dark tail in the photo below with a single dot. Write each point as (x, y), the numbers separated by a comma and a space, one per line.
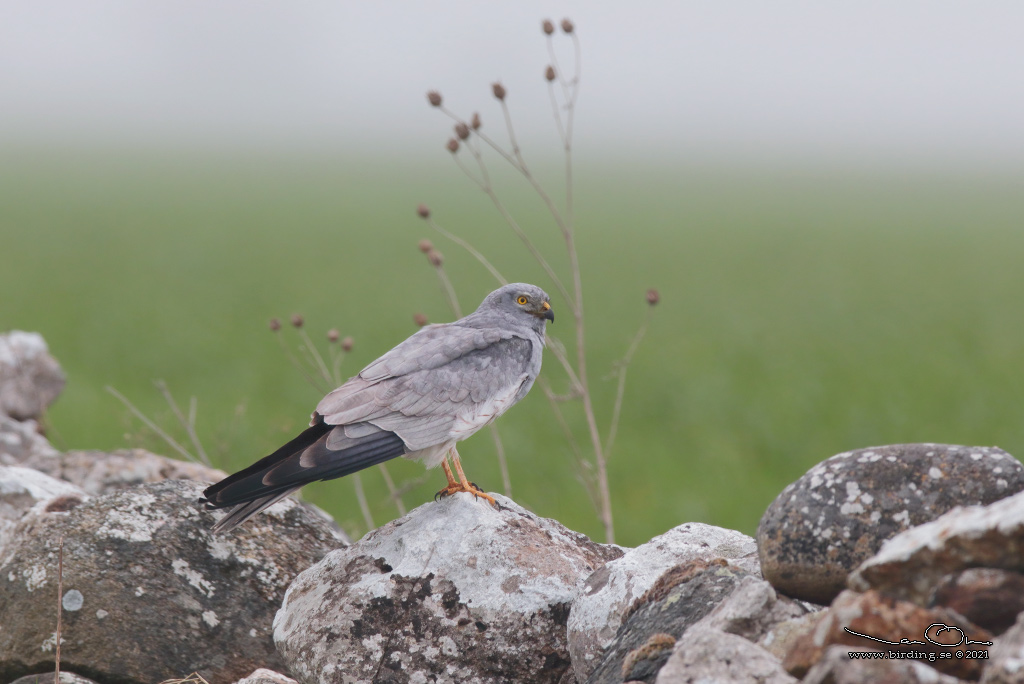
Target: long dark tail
(303, 460)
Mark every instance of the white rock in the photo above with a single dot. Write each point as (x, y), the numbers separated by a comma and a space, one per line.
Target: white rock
(454, 591)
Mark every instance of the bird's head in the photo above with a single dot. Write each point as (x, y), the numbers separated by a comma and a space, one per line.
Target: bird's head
(521, 301)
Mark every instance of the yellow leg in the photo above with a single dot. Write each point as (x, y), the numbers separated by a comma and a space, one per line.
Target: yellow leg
(462, 485)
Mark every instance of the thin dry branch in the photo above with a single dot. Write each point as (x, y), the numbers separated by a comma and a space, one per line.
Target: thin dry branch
(187, 423)
(151, 425)
(60, 607)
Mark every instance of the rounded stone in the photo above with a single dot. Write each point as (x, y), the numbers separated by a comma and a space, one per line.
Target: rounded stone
(825, 524)
(148, 589)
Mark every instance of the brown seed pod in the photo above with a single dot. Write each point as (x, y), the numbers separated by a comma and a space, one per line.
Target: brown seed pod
(423, 210)
(498, 90)
(275, 324)
(435, 257)
(548, 27)
(434, 98)
(419, 319)
(346, 344)
(549, 73)
(567, 25)
(653, 297)
(462, 130)
(333, 335)
(297, 320)
(474, 123)
(453, 145)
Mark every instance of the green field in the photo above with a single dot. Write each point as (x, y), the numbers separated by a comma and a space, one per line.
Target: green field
(803, 313)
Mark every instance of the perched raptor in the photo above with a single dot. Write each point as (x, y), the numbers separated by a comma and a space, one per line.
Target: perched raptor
(434, 389)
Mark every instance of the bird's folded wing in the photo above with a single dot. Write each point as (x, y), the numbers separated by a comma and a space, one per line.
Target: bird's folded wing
(421, 400)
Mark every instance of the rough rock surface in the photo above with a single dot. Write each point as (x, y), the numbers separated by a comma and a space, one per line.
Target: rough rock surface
(47, 678)
(784, 636)
(836, 667)
(679, 598)
(752, 611)
(149, 592)
(100, 472)
(838, 514)
(891, 620)
(265, 676)
(455, 591)
(30, 379)
(20, 441)
(988, 597)
(707, 656)
(912, 564)
(1006, 665)
(597, 612)
(23, 489)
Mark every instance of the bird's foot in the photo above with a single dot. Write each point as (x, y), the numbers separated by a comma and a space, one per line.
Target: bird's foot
(470, 487)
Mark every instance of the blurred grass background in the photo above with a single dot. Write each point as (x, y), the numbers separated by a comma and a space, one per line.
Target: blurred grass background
(804, 311)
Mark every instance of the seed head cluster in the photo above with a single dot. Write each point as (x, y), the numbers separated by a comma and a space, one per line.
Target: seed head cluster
(434, 98)
(346, 343)
(549, 73)
(653, 297)
(462, 130)
(297, 320)
(548, 27)
(498, 90)
(419, 319)
(423, 210)
(275, 324)
(426, 246)
(453, 145)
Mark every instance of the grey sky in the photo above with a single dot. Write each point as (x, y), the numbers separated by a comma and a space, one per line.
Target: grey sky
(929, 79)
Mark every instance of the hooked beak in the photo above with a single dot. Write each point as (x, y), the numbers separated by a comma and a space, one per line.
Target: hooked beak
(547, 314)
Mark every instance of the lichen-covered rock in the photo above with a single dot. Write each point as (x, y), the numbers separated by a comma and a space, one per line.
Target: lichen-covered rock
(597, 612)
(988, 597)
(840, 512)
(709, 656)
(860, 621)
(679, 599)
(30, 379)
(836, 667)
(1006, 664)
(21, 442)
(24, 489)
(149, 592)
(914, 563)
(455, 591)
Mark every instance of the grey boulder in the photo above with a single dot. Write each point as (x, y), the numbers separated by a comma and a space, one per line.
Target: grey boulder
(148, 591)
(913, 564)
(607, 594)
(678, 600)
(707, 655)
(821, 527)
(30, 379)
(454, 591)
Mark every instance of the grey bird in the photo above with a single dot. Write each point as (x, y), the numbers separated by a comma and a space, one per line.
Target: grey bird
(436, 388)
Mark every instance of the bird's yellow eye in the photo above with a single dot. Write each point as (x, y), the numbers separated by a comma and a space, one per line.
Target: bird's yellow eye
(521, 299)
